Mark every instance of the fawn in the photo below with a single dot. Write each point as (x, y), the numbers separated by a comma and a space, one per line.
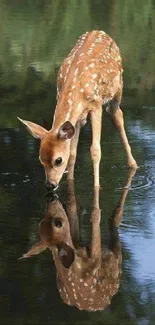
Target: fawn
(91, 76)
(86, 278)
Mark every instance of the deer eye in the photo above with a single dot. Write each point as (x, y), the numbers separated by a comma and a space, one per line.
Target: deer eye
(58, 161)
(58, 223)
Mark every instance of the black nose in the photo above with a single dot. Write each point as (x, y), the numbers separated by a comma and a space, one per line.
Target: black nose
(50, 186)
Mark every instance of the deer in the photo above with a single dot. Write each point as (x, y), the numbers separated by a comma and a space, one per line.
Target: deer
(87, 277)
(89, 82)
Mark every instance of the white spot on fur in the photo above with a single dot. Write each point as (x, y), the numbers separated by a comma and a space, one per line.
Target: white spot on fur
(79, 106)
(68, 115)
(70, 102)
(94, 75)
(78, 265)
(91, 299)
(76, 71)
(92, 65)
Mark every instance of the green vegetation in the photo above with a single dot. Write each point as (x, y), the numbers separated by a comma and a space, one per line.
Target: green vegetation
(36, 36)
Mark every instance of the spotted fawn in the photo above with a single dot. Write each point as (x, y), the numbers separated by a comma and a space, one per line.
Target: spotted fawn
(89, 78)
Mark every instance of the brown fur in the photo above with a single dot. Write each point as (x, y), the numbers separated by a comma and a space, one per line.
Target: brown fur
(89, 77)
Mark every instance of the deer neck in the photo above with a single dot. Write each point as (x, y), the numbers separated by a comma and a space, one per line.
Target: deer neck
(70, 107)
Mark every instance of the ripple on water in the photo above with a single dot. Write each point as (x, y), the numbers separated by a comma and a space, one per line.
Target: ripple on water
(143, 179)
(134, 229)
(14, 179)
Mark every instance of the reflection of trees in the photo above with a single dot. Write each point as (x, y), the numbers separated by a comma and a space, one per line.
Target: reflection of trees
(34, 99)
(36, 36)
(41, 33)
(135, 33)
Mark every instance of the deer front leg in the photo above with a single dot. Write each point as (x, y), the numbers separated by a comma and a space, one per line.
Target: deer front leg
(73, 152)
(95, 248)
(116, 217)
(118, 119)
(96, 121)
(72, 213)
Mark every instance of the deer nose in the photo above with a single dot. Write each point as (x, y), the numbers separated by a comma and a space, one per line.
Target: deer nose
(50, 186)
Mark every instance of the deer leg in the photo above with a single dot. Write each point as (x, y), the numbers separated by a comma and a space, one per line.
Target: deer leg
(95, 247)
(116, 216)
(96, 121)
(72, 212)
(117, 116)
(73, 152)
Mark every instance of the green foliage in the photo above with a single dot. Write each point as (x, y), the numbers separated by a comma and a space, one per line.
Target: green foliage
(37, 35)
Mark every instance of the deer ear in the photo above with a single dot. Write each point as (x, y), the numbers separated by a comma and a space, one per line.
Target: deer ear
(36, 130)
(66, 131)
(34, 250)
(66, 255)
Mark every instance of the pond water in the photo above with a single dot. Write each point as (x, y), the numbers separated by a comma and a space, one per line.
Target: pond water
(35, 37)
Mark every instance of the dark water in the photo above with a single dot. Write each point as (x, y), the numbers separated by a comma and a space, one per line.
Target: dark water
(35, 37)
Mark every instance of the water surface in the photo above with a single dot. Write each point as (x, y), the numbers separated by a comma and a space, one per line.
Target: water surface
(35, 37)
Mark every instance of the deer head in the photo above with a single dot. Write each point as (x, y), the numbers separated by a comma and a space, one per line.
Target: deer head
(54, 149)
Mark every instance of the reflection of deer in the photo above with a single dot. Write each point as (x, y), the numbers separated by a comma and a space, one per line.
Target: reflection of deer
(86, 280)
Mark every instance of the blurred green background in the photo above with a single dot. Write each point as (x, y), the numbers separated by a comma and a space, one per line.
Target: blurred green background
(36, 35)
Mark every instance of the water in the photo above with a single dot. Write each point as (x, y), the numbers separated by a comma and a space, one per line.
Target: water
(35, 37)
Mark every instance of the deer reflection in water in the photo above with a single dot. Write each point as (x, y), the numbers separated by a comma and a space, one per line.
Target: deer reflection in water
(87, 279)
